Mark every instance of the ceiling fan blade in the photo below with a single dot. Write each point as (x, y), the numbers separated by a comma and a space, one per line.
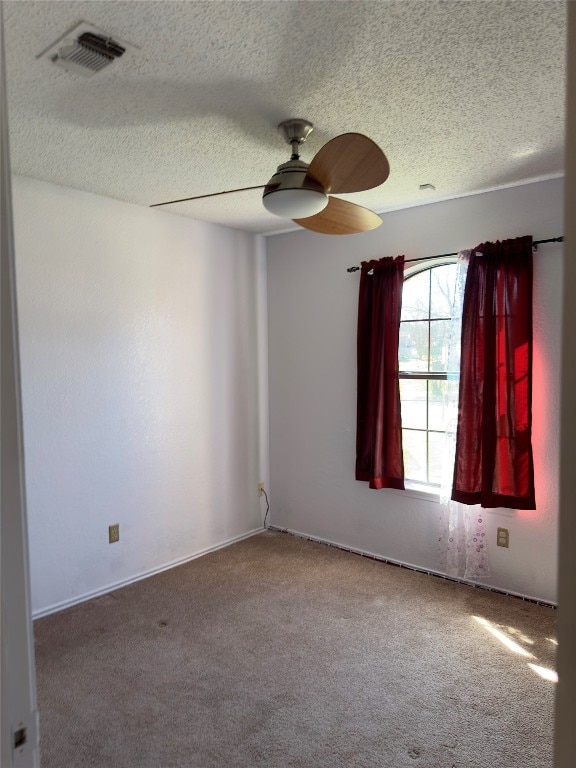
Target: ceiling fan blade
(212, 194)
(350, 162)
(341, 218)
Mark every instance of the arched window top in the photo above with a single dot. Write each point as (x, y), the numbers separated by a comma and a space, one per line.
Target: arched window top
(413, 267)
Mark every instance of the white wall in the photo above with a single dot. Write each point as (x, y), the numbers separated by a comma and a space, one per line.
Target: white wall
(139, 347)
(312, 305)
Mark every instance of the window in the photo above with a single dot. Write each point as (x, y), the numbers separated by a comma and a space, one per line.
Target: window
(425, 381)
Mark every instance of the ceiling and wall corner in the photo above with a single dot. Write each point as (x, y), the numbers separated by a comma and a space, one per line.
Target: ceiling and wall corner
(465, 96)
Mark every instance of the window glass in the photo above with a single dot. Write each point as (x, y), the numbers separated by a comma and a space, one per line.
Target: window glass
(443, 281)
(435, 450)
(439, 393)
(413, 401)
(439, 339)
(416, 297)
(413, 345)
(415, 458)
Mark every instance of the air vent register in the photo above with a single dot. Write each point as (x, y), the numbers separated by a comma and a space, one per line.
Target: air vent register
(84, 50)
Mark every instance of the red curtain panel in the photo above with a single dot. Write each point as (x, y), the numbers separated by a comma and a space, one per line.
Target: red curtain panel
(494, 465)
(379, 428)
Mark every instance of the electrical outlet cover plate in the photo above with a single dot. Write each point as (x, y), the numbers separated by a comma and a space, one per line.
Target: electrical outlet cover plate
(503, 537)
(113, 533)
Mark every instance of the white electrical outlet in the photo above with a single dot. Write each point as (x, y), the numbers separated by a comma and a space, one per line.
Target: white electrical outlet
(503, 537)
(261, 489)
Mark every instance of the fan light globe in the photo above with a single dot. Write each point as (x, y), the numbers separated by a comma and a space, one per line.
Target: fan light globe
(295, 203)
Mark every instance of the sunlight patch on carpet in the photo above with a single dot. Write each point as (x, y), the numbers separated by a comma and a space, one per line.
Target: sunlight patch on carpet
(547, 674)
(504, 639)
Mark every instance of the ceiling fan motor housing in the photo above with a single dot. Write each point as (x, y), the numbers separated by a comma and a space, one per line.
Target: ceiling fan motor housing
(291, 193)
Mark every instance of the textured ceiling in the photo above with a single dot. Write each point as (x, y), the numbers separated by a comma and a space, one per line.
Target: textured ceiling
(463, 95)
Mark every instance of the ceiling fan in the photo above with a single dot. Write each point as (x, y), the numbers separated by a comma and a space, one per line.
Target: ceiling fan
(348, 163)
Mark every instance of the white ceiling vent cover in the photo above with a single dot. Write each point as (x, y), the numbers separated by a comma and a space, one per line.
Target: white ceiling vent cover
(85, 50)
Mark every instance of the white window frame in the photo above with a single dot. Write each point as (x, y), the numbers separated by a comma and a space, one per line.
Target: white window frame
(413, 487)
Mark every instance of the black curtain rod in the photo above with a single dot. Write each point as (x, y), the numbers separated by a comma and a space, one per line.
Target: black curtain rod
(535, 245)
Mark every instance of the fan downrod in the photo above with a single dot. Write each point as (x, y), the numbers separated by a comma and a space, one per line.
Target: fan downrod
(295, 132)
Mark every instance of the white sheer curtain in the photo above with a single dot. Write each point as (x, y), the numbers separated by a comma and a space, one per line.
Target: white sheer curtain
(462, 540)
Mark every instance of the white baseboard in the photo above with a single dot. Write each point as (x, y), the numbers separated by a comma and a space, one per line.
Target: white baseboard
(142, 575)
(411, 566)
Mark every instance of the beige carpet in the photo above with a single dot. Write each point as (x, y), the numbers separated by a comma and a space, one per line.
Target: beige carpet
(281, 652)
